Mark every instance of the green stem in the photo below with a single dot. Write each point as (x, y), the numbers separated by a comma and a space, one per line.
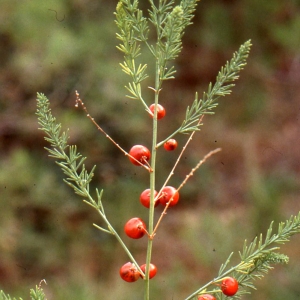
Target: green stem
(152, 186)
(142, 100)
(152, 174)
(112, 230)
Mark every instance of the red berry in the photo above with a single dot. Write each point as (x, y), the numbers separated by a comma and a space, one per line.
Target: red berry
(129, 272)
(145, 198)
(140, 153)
(167, 193)
(152, 271)
(170, 145)
(229, 286)
(161, 112)
(206, 297)
(135, 228)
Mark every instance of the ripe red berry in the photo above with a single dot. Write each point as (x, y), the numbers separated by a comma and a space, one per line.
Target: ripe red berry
(135, 228)
(229, 286)
(152, 271)
(140, 153)
(129, 272)
(170, 145)
(161, 112)
(167, 193)
(206, 297)
(145, 198)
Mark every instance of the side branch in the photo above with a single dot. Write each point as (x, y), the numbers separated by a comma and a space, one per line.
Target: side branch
(201, 162)
(79, 101)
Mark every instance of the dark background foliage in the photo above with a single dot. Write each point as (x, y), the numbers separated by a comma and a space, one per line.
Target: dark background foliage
(58, 46)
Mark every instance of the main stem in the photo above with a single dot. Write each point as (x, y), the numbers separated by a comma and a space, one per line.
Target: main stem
(154, 149)
(152, 184)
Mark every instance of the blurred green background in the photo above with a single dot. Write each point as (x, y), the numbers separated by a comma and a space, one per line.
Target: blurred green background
(58, 46)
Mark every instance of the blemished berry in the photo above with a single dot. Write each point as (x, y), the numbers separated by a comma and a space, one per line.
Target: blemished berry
(170, 145)
(140, 153)
(166, 194)
(206, 297)
(161, 112)
(135, 228)
(145, 198)
(229, 286)
(129, 272)
(152, 271)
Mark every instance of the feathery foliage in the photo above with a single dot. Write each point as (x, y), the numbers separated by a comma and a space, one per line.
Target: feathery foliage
(72, 165)
(169, 23)
(256, 259)
(222, 87)
(4, 296)
(37, 294)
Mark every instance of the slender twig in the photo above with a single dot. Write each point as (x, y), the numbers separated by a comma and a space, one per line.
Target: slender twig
(179, 157)
(169, 177)
(40, 284)
(102, 229)
(78, 100)
(160, 218)
(201, 162)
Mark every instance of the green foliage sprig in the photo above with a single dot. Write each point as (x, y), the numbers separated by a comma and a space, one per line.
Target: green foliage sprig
(169, 23)
(169, 39)
(4, 296)
(37, 294)
(133, 28)
(256, 259)
(72, 165)
(222, 87)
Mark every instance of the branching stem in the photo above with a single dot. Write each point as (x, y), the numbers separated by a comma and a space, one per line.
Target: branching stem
(201, 162)
(78, 100)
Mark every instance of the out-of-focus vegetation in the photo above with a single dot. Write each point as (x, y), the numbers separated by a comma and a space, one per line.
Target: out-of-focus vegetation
(55, 47)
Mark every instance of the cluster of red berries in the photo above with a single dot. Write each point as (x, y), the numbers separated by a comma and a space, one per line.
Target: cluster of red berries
(139, 154)
(229, 287)
(136, 228)
(171, 144)
(168, 193)
(130, 273)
